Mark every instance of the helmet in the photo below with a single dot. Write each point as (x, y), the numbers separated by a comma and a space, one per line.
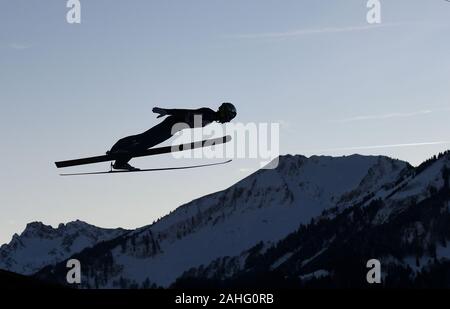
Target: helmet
(227, 112)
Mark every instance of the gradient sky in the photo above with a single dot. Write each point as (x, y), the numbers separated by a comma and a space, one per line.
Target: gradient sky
(336, 85)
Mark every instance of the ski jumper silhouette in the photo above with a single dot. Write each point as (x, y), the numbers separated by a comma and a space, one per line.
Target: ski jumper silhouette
(166, 129)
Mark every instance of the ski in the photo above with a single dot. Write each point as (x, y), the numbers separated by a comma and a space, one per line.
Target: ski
(148, 170)
(148, 152)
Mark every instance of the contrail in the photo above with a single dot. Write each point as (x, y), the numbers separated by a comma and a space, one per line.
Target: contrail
(386, 116)
(387, 146)
(18, 46)
(301, 32)
(394, 115)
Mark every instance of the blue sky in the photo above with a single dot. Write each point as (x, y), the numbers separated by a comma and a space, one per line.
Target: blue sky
(336, 84)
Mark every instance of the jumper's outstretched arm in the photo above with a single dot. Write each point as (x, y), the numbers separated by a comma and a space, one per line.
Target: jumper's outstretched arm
(161, 111)
(175, 112)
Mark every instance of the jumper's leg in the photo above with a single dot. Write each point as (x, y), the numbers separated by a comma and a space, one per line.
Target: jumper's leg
(122, 164)
(123, 148)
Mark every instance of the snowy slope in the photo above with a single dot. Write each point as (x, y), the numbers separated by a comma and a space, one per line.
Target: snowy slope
(420, 185)
(40, 245)
(264, 207)
(415, 188)
(411, 241)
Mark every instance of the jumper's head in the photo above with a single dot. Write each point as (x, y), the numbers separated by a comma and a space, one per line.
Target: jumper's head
(226, 112)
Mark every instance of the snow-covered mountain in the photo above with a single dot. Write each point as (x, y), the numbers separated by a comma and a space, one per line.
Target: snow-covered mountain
(41, 245)
(405, 226)
(264, 207)
(310, 219)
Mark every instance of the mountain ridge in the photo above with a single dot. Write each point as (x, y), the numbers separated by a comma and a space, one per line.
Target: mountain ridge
(40, 245)
(260, 210)
(265, 206)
